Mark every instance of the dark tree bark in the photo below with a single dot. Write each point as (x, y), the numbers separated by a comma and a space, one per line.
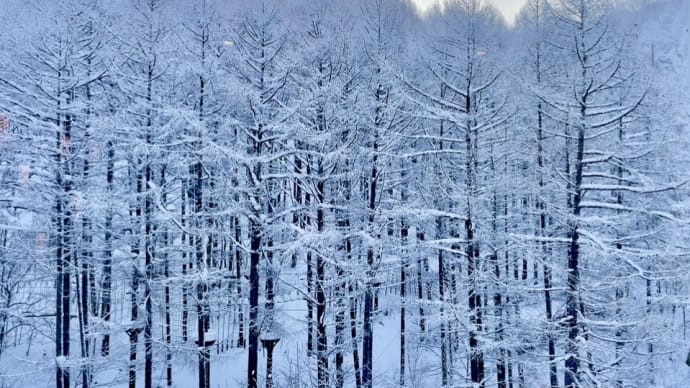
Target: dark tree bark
(572, 304)
(184, 197)
(148, 237)
(421, 272)
(134, 329)
(297, 216)
(254, 259)
(238, 279)
(310, 304)
(343, 223)
(253, 357)
(321, 335)
(498, 303)
(440, 234)
(443, 325)
(404, 230)
(64, 229)
(472, 254)
(353, 335)
(166, 291)
(86, 276)
(498, 296)
(322, 339)
(203, 314)
(340, 313)
(83, 290)
(367, 314)
(367, 329)
(270, 339)
(106, 285)
(546, 263)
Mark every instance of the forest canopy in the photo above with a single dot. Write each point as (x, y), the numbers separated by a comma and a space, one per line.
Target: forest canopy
(344, 194)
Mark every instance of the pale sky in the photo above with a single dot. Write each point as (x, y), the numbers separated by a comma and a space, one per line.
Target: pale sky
(509, 8)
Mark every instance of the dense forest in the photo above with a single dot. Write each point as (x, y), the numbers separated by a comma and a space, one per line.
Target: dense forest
(312, 193)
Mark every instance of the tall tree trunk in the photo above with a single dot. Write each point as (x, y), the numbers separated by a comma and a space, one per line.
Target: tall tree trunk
(498, 302)
(440, 234)
(106, 285)
(339, 341)
(184, 197)
(255, 227)
(64, 249)
(84, 306)
(343, 223)
(353, 335)
(619, 290)
(404, 262)
(445, 370)
(297, 216)
(238, 279)
(133, 331)
(650, 344)
(498, 297)
(472, 254)
(475, 308)
(166, 291)
(135, 327)
(367, 329)
(310, 281)
(148, 306)
(339, 344)
(421, 272)
(546, 262)
(269, 336)
(367, 315)
(253, 360)
(404, 230)
(148, 238)
(86, 256)
(572, 362)
(202, 237)
(322, 339)
(82, 286)
(310, 289)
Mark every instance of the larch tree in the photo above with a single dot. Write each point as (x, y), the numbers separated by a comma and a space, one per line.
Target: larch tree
(142, 72)
(258, 52)
(602, 178)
